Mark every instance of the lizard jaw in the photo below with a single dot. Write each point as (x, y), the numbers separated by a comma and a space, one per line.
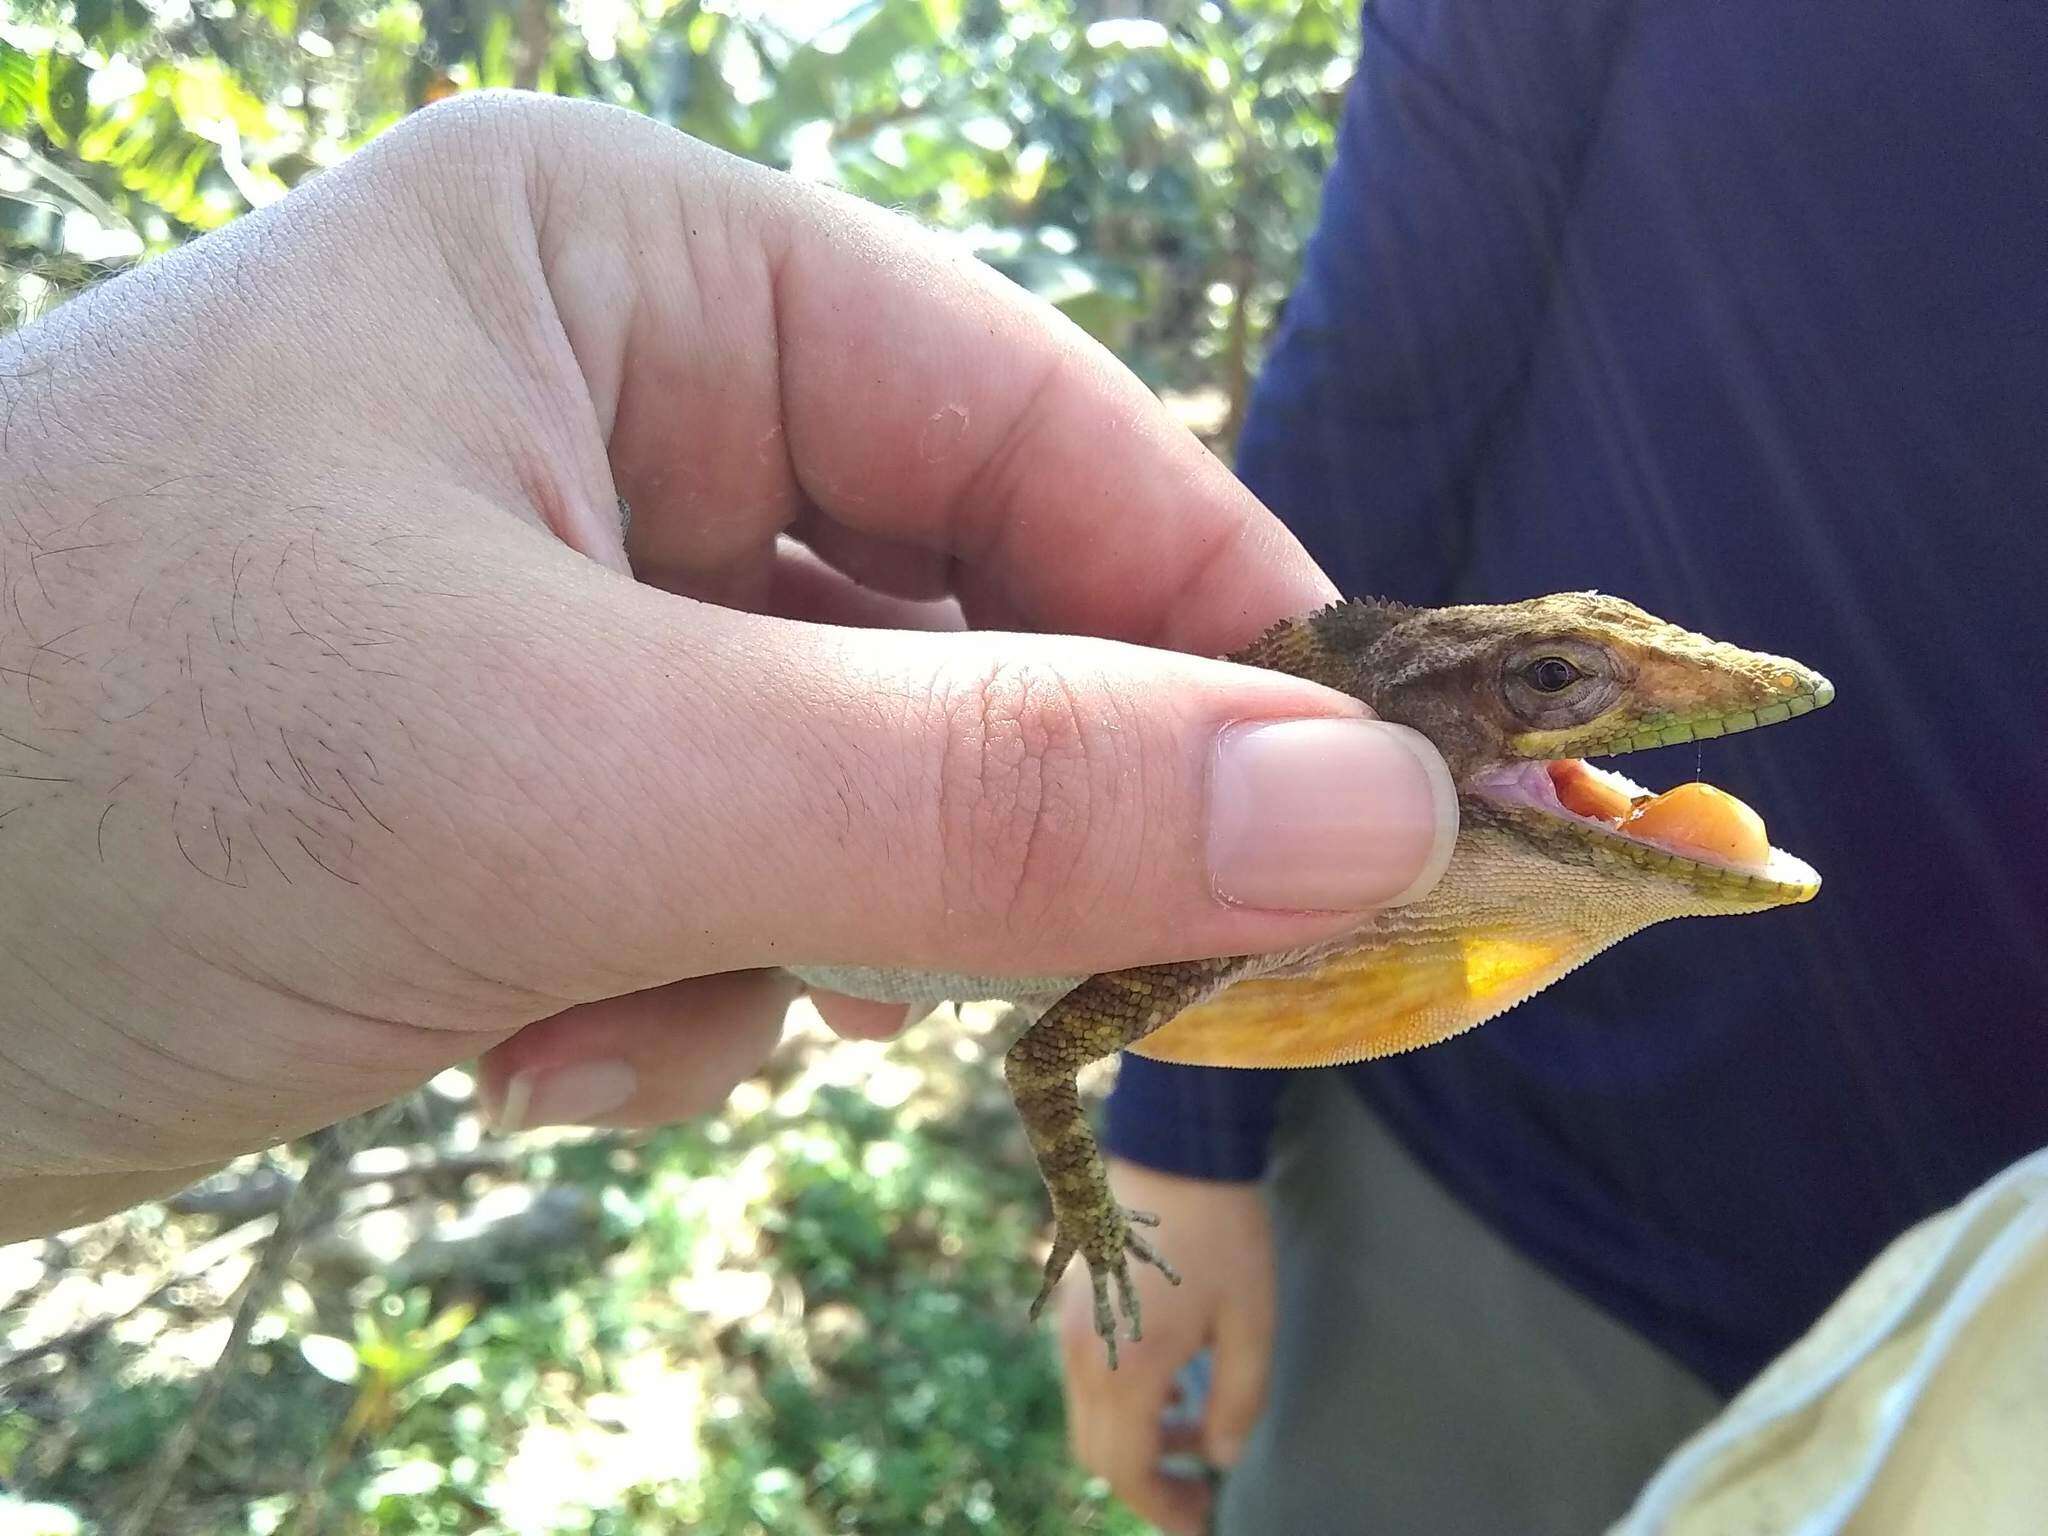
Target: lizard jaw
(1525, 793)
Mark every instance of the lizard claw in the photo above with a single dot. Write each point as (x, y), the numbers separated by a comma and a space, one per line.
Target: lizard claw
(1055, 1265)
(1107, 1246)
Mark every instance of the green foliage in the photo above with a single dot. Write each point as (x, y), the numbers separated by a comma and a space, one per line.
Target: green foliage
(805, 1316)
(121, 1428)
(1152, 177)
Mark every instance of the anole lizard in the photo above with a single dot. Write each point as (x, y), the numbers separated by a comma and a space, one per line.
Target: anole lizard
(1513, 695)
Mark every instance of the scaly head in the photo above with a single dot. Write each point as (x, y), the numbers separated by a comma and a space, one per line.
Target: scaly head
(1516, 695)
(1578, 674)
(1556, 859)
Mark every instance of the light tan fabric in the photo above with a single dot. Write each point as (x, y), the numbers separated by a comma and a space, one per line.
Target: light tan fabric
(1916, 1406)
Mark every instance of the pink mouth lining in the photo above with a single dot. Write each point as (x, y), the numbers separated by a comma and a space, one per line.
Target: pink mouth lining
(1528, 785)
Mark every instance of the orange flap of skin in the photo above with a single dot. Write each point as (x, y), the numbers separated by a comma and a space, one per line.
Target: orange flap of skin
(1395, 996)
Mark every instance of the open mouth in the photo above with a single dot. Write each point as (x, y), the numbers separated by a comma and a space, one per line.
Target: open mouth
(1695, 829)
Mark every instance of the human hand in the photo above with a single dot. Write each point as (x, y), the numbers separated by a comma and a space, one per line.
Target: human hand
(339, 743)
(1116, 1418)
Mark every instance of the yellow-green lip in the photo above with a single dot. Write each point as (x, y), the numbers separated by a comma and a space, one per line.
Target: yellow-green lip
(1818, 694)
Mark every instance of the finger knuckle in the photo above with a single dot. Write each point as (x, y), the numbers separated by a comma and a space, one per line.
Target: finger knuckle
(468, 129)
(1018, 792)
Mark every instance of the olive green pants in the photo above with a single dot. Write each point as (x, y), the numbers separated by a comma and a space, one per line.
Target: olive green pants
(1427, 1379)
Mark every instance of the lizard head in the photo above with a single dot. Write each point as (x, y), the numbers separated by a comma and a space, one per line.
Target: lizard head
(1555, 859)
(1517, 695)
(1577, 674)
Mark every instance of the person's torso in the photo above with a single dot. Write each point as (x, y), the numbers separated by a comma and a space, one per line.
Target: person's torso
(1791, 389)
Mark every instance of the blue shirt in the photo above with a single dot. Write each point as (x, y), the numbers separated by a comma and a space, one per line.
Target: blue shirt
(1740, 311)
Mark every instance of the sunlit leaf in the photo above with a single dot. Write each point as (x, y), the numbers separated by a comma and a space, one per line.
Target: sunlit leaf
(1128, 32)
(17, 85)
(333, 1358)
(207, 98)
(1027, 173)
(493, 55)
(411, 1478)
(446, 1327)
(283, 15)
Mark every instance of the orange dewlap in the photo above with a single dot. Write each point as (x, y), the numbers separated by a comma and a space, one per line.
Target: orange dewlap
(1371, 1002)
(1700, 821)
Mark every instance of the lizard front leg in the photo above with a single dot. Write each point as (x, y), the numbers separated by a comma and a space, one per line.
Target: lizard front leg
(1102, 1015)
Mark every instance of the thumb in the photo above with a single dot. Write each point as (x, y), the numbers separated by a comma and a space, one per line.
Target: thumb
(1014, 804)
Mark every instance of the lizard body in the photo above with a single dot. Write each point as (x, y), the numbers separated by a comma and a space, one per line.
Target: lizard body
(1533, 888)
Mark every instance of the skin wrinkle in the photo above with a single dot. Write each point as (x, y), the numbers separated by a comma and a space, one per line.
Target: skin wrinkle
(582, 821)
(776, 263)
(941, 701)
(734, 523)
(74, 1135)
(727, 543)
(408, 1020)
(1018, 813)
(779, 771)
(543, 371)
(505, 315)
(979, 537)
(840, 749)
(1005, 795)
(1217, 555)
(1058, 755)
(783, 255)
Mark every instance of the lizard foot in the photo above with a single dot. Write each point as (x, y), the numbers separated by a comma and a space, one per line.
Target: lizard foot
(1106, 1242)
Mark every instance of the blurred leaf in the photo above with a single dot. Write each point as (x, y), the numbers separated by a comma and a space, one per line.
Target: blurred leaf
(206, 97)
(494, 52)
(20, 1518)
(61, 96)
(17, 85)
(108, 25)
(336, 1359)
(282, 15)
(829, 67)
(404, 1479)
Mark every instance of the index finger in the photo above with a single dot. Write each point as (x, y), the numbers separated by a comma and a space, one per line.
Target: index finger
(792, 348)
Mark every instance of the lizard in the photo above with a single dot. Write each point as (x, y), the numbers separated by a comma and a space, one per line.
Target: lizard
(1514, 696)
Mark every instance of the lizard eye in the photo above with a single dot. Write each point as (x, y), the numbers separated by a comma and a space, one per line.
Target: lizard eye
(1550, 674)
(1556, 682)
